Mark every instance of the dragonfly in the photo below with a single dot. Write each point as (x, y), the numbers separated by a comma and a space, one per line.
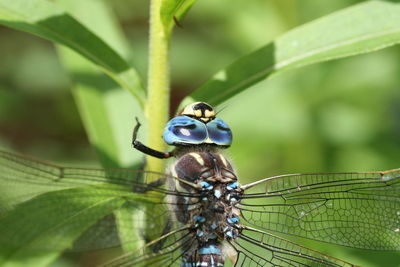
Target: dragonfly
(197, 213)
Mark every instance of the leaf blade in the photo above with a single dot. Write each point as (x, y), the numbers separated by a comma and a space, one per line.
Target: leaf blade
(46, 20)
(362, 28)
(106, 110)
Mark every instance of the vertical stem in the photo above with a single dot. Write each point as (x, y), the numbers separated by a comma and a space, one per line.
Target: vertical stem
(157, 107)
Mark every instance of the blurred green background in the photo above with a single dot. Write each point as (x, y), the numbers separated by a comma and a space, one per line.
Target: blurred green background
(338, 116)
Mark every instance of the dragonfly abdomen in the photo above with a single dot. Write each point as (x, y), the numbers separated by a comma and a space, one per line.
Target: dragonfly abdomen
(206, 256)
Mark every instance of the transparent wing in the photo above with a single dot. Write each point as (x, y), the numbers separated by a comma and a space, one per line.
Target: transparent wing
(23, 178)
(360, 210)
(253, 248)
(164, 251)
(258, 248)
(47, 207)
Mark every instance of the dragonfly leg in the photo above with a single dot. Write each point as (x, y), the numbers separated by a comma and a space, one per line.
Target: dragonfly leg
(145, 149)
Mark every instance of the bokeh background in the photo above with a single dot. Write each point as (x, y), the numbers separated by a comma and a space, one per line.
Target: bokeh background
(342, 115)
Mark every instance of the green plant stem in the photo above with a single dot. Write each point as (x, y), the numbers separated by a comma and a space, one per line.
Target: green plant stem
(157, 107)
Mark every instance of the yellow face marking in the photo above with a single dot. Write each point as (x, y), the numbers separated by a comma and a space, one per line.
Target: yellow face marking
(223, 159)
(198, 158)
(188, 110)
(209, 113)
(197, 113)
(200, 110)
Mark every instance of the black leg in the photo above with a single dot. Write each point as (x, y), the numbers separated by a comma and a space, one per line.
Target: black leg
(144, 149)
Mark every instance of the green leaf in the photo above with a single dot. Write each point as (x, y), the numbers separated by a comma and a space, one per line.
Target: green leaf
(44, 19)
(362, 28)
(107, 111)
(171, 9)
(37, 231)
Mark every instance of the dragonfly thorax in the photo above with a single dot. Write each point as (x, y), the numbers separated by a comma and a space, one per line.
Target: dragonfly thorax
(208, 189)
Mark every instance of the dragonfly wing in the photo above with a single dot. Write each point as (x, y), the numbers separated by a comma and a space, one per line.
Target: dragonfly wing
(164, 251)
(48, 207)
(22, 178)
(360, 210)
(258, 248)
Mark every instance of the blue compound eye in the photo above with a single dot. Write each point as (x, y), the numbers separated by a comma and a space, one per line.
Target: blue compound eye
(219, 132)
(184, 130)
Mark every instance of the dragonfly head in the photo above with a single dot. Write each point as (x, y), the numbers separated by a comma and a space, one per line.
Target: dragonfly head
(196, 124)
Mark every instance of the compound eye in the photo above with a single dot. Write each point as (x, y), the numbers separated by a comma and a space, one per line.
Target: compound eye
(184, 130)
(190, 132)
(219, 132)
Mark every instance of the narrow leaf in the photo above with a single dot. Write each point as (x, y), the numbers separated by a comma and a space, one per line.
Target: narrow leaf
(107, 111)
(362, 28)
(44, 19)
